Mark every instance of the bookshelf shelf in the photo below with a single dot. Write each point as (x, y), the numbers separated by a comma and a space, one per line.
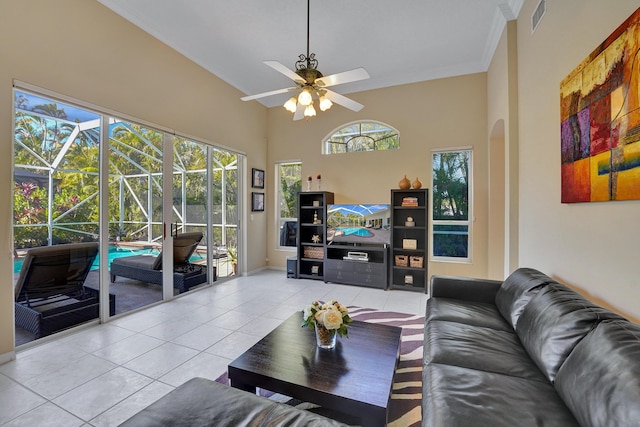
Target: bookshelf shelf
(409, 244)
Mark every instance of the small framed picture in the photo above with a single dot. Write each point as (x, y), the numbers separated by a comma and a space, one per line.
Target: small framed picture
(257, 202)
(257, 178)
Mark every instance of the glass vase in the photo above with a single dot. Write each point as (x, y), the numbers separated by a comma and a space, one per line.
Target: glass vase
(326, 338)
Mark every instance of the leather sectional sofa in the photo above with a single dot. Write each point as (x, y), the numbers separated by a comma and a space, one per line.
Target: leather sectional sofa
(526, 352)
(201, 402)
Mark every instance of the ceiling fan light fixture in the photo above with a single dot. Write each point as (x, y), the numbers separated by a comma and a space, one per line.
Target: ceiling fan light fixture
(311, 83)
(290, 105)
(309, 111)
(325, 103)
(305, 97)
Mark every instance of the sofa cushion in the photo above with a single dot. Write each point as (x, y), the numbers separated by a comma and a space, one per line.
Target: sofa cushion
(600, 380)
(479, 348)
(516, 291)
(553, 322)
(455, 396)
(467, 312)
(204, 403)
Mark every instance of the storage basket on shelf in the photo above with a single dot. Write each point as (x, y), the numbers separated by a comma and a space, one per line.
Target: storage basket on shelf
(402, 260)
(415, 261)
(314, 252)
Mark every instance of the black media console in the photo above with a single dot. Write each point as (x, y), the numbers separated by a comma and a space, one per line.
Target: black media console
(357, 265)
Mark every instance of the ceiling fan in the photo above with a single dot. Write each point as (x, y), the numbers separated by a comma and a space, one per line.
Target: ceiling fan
(312, 84)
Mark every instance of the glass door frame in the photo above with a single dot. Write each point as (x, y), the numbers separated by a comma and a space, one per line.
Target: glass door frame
(103, 253)
(167, 216)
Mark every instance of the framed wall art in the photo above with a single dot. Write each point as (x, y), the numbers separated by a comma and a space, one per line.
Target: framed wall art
(600, 121)
(257, 178)
(257, 202)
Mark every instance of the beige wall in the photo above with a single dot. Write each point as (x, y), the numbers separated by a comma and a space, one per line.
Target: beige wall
(502, 120)
(435, 114)
(590, 246)
(80, 49)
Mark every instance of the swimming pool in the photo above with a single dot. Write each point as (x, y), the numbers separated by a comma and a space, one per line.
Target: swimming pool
(114, 252)
(355, 231)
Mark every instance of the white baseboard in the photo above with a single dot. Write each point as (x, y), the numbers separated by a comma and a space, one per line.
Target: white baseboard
(7, 357)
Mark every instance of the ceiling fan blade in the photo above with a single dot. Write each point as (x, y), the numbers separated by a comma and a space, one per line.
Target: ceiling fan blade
(265, 94)
(299, 114)
(341, 78)
(343, 100)
(284, 70)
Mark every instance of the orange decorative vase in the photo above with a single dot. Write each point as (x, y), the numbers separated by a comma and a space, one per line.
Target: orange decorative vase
(416, 184)
(404, 183)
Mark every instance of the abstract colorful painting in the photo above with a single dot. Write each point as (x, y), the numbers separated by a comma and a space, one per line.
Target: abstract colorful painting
(600, 121)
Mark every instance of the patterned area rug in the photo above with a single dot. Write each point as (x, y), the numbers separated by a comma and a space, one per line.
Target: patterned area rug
(406, 397)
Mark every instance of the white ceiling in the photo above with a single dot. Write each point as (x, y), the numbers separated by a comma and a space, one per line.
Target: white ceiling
(396, 41)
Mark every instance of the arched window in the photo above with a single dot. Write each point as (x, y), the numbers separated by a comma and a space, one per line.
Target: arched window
(361, 136)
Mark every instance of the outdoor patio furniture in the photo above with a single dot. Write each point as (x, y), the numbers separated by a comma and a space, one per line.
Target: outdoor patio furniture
(148, 268)
(50, 294)
(288, 232)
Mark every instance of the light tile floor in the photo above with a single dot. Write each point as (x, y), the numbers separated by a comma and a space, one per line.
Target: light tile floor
(103, 374)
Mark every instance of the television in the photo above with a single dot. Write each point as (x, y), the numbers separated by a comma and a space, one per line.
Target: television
(359, 224)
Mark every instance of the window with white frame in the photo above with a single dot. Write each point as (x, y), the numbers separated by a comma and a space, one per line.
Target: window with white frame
(361, 136)
(289, 184)
(451, 190)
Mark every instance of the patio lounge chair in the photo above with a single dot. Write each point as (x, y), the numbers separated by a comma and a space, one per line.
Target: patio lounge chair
(148, 268)
(50, 294)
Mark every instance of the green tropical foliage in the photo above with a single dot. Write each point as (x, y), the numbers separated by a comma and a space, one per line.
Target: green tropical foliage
(290, 186)
(54, 153)
(29, 207)
(451, 185)
(451, 203)
(39, 144)
(135, 183)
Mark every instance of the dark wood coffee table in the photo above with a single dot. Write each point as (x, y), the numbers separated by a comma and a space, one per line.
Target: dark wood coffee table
(354, 378)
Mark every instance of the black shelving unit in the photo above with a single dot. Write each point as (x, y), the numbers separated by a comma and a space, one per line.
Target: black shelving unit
(409, 244)
(311, 237)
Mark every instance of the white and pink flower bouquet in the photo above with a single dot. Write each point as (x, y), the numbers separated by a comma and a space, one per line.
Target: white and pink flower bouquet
(331, 315)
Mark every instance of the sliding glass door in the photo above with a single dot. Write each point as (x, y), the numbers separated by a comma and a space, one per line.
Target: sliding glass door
(205, 199)
(56, 198)
(190, 204)
(163, 209)
(225, 213)
(135, 214)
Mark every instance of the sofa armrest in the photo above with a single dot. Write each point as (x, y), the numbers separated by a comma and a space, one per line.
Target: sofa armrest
(464, 288)
(202, 402)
